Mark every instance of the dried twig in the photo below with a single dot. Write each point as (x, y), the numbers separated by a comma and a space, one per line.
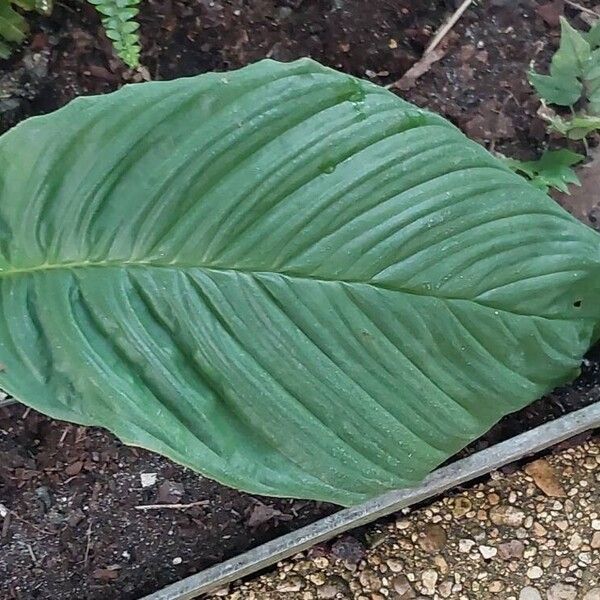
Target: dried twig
(80, 435)
(33, 558)
(44, 531)
(6, 525)
(589, 11)
(64, 435)
(409, 79)
(172, 506)
(88, 545)
(448, 25)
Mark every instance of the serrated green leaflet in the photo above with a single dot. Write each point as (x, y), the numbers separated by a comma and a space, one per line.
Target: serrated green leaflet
(283, 277)
(573, 55)
(574, 70)
(553, 169)
(563, 91)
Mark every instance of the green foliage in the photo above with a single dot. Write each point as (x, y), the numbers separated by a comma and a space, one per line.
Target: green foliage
(564, 91)
(4, 50)
(574, 70)
(577, 127)
(592, 37)
(574, 77)
(13, 26)
(553, 169)
(283, 277)
(117, 18)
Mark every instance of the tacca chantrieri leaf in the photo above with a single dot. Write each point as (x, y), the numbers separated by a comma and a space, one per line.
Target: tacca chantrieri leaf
(283, 277)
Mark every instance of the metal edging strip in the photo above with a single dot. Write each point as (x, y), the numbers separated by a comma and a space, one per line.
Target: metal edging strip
(437, 482)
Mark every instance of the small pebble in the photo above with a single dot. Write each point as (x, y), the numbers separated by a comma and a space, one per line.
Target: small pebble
(534, 572)
(529, 593)
(562, 591)
(147, 479)
(488, 551)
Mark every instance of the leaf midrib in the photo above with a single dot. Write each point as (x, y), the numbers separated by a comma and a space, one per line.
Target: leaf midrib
(257, 273)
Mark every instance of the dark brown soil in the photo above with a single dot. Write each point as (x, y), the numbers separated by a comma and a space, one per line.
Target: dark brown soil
(73, 530)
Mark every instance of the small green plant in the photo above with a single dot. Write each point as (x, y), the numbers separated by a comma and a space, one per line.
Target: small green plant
(573, 82)
(552, 170)
(117, 18)
(13, 25)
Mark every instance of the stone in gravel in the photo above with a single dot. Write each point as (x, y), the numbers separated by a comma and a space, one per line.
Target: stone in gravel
(334, 586)
(292, 584)
(529, 593)
(402, 587)
(429, 579)
(445, 589)
(589, 463)
(375, 538)
(493, 499)
(440, 562)
(562, 591)
(465, 545)
(327, 592)
(495, 586)
(575, 541)
(488, 551)
(595, 543)
(512, 549)
(462, 505)
(394, 565)
(507, 515)
(369, 580)
(544, 476)
(534, 572)
(432, 538)
(593, 594)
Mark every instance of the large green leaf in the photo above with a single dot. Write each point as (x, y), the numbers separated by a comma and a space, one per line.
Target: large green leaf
(283, 277)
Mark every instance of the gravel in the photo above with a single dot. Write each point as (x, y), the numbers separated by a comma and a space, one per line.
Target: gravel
(513, 537)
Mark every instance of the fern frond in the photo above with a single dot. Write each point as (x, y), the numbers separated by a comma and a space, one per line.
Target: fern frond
(117, 18)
